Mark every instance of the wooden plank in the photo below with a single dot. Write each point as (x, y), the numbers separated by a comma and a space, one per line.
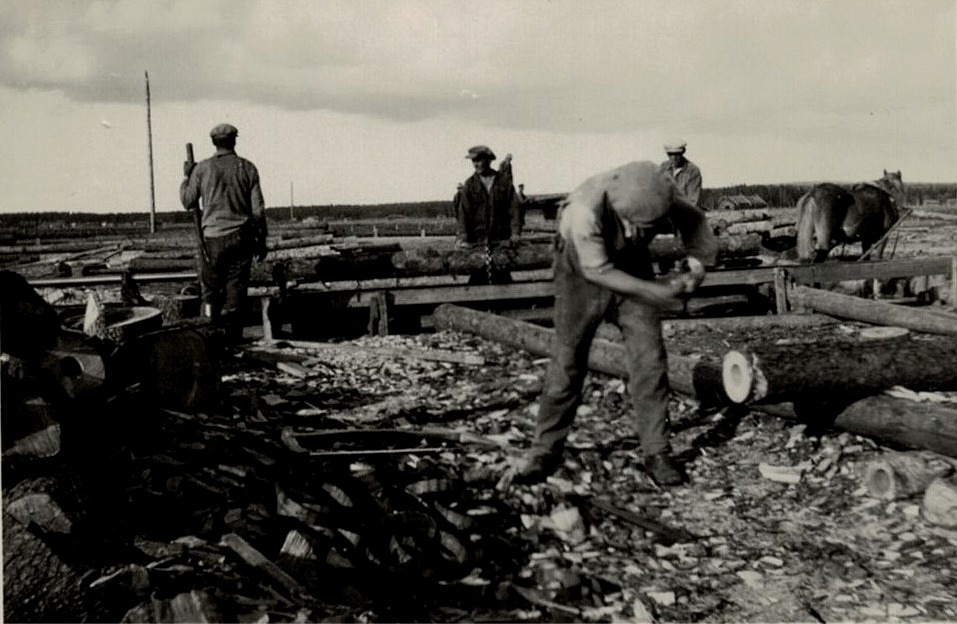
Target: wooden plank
(543, 289)
(886, 269)
(106, 280)
(444, 294)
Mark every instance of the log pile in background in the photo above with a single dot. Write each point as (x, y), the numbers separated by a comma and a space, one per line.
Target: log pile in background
(388, 261)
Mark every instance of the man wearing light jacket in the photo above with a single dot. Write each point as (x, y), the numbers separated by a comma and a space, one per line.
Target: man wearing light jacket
(686, 174)
(233, 227)
(603, 271)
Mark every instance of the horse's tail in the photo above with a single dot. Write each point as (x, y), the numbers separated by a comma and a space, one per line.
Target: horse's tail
(806, 207)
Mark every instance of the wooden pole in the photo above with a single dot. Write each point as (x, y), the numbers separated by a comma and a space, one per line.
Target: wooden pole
(953, 283)
(149, 139)
(880, 242)
(780, 291)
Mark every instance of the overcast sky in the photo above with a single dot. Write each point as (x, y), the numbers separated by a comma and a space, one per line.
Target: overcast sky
(348, 101)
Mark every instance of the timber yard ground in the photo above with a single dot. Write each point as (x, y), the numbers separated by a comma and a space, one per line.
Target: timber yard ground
(357, 481)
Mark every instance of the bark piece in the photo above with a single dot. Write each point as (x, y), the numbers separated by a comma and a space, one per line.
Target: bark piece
(775, 373)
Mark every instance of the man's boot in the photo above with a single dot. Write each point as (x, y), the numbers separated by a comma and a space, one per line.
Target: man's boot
(663, 470)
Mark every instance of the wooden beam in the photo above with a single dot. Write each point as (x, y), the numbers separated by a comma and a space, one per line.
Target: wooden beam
(885, 269)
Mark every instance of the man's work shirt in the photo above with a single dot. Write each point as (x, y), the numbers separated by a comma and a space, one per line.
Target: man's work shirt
(687, 178)
(490, 212)
(599, 238)
(229, 187)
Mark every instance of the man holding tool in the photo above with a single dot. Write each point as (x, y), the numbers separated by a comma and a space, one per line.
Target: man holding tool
(488, 212)
(603, 272)
(224, 191)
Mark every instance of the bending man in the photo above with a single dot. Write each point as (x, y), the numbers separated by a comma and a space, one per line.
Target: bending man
(603, 272)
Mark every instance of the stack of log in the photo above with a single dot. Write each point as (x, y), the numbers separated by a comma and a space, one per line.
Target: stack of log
(368, 262)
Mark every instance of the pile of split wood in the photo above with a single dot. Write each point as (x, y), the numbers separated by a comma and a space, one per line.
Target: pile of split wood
(357, 481)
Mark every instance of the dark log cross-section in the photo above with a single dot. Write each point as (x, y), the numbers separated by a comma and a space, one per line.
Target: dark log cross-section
(775, 373)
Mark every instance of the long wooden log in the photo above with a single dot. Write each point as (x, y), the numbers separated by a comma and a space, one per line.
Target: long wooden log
(775, 373)
(889, 419)
(876, 312)
(687, 375)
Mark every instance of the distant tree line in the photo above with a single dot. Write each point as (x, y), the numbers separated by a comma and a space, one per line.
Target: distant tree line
(43, 222)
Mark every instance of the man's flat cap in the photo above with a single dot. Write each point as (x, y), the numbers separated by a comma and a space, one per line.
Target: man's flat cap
(678, 147)
(480, 151)
(223, 131)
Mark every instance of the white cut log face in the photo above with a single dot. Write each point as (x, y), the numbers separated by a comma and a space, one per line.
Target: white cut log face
(738, 377)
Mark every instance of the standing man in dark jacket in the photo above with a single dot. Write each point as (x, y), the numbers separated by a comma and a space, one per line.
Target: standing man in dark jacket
(603, 272)
(233, 227)
(488, 212)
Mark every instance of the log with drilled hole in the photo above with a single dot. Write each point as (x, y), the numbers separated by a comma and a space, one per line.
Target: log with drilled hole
(775, 373)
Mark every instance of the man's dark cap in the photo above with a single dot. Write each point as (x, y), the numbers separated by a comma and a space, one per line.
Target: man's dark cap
(479, 152)
(223, 131)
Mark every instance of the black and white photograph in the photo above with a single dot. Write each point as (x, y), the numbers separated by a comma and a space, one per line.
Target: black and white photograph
(510, 311)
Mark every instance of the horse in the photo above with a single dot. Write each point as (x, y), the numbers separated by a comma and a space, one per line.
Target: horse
(829, 215)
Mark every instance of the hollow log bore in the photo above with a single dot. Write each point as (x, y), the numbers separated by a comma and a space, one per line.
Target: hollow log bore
(902, 475)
